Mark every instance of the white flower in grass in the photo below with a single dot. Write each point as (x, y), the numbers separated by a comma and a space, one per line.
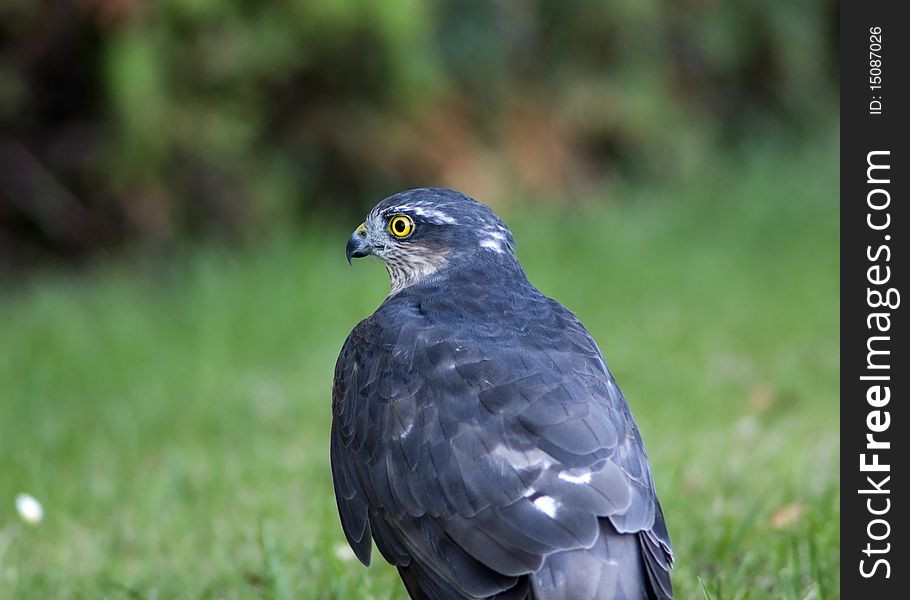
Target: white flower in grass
(29, 509)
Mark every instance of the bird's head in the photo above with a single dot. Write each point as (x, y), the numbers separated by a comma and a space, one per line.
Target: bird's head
(420, 232)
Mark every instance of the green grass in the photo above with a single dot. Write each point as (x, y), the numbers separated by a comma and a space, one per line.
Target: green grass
(173, 418)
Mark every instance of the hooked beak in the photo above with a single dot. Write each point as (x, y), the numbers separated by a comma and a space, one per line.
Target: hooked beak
(357, 246)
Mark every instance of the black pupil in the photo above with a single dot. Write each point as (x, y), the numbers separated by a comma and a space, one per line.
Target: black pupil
(400, 226)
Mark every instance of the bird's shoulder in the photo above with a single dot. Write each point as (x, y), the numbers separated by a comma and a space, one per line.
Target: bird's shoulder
(455, 340)
(491, 415)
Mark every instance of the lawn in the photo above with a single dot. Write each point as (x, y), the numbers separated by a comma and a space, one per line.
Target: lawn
(172, 416)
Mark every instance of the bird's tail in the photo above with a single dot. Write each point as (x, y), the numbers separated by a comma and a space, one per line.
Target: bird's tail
(614, 567)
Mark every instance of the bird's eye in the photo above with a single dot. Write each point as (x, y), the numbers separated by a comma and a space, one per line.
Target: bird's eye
(401, 226)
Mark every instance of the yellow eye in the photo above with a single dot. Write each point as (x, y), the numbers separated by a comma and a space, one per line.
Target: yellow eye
(401, 226)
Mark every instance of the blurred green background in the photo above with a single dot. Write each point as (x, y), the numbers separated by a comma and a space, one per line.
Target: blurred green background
(178, 180)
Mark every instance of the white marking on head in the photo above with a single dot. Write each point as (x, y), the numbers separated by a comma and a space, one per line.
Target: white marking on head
(547, 505)
(435, 215)
(428, 213)
(585, 478)
(495, 238)
(529, 492)
(492, 245)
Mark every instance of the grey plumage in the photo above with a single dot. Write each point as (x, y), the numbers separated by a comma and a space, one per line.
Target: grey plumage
(478, 437)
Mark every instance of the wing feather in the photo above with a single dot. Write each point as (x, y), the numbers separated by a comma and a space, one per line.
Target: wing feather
(470, 459)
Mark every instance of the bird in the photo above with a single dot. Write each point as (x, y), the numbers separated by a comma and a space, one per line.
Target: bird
(478, 437)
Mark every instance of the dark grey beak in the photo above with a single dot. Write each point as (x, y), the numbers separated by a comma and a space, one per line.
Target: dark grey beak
(357, 246)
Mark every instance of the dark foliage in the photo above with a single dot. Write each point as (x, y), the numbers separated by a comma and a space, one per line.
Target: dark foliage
(131, 119)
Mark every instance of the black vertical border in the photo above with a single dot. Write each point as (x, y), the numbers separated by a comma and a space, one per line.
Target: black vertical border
(862, 133)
